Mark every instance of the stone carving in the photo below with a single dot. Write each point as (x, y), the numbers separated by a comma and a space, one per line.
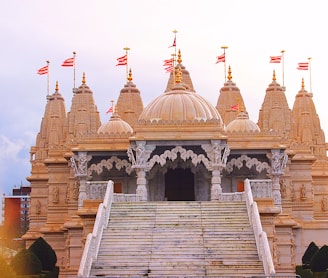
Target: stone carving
(81, 169)
(278, 162)
(249, 163)
(303, 192)
(324, 203)
(109, 164)
(55, 194)
(37, 207)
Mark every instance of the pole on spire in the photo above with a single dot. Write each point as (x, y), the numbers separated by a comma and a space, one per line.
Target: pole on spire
(48, 78)
(310, 74)
(74, 77)
(127, 62)
(225, 69)
(283, 68)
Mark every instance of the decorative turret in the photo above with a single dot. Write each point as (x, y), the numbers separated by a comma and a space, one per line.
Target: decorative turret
(229, 99)
(185, 76)
(275, 113)
(129, 103)
(83, 117)
(306, 129)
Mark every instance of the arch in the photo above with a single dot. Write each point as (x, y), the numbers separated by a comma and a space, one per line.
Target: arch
(250, 162)
(109, 164)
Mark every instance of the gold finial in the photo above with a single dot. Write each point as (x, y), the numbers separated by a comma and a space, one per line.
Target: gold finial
(115, 109)
(57, 88)
(303, 83)
(179, 57)
(274, 76)
(130, 75)
(242, 107)
(229, 73)
(175, 31)
(83, 78)
(178, 78)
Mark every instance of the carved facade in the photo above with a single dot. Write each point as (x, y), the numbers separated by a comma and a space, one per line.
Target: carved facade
(180, 147)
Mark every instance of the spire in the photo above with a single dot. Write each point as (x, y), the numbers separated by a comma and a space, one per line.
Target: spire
(274, 76)
(229, 74)
(179, 60)
(303, 86)
(83, 78)
(130, 75)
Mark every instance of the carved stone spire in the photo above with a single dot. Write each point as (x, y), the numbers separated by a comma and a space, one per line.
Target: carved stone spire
(275, 113)
(129, 103)
(229, 97)
(83, 117)
(306, 128)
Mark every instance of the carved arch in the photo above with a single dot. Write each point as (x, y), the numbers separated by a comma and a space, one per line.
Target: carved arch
(109, 164)
(173, 155)
(250, 162)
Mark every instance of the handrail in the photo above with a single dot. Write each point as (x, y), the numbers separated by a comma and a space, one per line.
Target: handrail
(261, 238)
(91, 247)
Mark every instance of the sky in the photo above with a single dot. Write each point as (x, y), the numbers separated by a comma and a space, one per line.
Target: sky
(35, 31)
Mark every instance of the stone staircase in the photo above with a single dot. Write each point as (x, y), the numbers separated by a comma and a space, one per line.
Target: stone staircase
(178, 239)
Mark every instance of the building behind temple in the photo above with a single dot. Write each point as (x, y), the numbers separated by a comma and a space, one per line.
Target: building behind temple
(180, 147)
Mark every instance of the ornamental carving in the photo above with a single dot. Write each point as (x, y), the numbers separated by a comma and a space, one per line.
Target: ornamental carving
(249, 163)
(278, 162)
(108, 164)
(82, 158)
(173, 155)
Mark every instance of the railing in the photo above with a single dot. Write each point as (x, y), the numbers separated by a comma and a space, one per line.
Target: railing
(261, 238)
(92, 243)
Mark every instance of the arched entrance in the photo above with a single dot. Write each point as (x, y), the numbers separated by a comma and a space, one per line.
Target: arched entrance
(179, 185)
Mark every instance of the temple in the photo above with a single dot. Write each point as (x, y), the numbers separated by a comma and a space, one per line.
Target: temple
(180, 147)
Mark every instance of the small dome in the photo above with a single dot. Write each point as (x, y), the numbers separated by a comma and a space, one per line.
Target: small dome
(179, 106)
(116, 127)
(242, 124)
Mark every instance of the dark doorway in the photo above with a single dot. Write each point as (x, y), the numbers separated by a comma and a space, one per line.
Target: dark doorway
(179, 185)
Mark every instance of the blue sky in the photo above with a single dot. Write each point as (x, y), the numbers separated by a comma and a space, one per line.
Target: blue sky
(35, 31)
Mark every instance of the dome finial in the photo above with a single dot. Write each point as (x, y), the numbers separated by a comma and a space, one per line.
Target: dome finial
(130, 75)
(57, 87)
(179, 57)
(229, 73)
(303, 86)
(83, 78)
(178, 77)
(274, 76)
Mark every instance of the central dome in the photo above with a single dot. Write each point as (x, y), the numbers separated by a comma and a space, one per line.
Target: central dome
(180, 106)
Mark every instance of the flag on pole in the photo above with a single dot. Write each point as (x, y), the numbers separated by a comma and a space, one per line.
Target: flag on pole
(234, 107)
(68, 62)
(275, 59)
(303, 66)
(174, 44)
(220, 58)
(43, 70)
(109, 110)
(168, 64)
(122, 61)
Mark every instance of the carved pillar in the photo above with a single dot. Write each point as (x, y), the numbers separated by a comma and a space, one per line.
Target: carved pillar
(218, 154)
(81, 171)
(139, 155)
(278, 164)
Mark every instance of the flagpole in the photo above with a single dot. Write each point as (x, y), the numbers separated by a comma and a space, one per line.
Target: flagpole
(283, 68)
(48, 78)
(127, 61)
(74, 55)
(225, 69)
(310, 74)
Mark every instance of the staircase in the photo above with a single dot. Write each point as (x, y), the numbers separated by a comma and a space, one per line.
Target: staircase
(178, 239)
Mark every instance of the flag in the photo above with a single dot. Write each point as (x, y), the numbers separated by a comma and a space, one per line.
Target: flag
(275, 59)
(220, 58)
(234, 107)
(43, 70)
(169, 69)
(174, 43)
(303, 66)
(122, 61)
(168, 62)
(69, 62)
(109, 110)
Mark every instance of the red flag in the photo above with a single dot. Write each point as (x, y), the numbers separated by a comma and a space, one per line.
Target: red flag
(168, 62)
(275, 59)
(303, 66)
(43, 70)
(234, 107)
(169, 69)
(122, 61)
(109, 110)
(68, 62)
(174, 43)
(220, 58)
